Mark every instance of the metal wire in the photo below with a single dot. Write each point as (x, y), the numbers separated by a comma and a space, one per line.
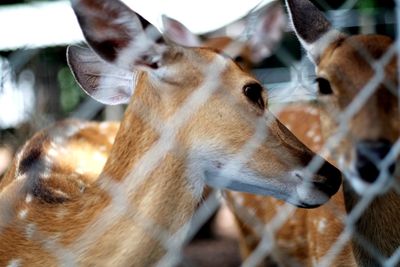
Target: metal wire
(175, 242)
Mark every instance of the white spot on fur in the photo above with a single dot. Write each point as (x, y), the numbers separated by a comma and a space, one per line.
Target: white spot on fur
(22, 214)
(30, 230)
(28, 198)
(310, 133)
(61, 213)
(61, 193)
(317, 138)
(322, 226)
(14, 263)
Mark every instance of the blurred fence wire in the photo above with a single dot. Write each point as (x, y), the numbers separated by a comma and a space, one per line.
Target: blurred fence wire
(289, 79)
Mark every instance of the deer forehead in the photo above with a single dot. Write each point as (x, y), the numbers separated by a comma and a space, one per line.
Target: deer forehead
(229, 46)
(350, 60)
(184, 61)
(192, 69)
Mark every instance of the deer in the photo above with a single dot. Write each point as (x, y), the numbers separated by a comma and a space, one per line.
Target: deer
(369, 198)
(190, 114)
(302, 118)
(345, 65)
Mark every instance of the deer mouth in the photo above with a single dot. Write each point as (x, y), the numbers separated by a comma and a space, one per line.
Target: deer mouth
(307, 206)
(316, 189)
(382, 183)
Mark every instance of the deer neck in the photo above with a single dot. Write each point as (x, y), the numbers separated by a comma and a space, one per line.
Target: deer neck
(376, 225)
(150, 170)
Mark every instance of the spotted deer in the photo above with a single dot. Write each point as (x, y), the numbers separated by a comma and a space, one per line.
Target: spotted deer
(348, 68)
(302, 118)
(193, 118)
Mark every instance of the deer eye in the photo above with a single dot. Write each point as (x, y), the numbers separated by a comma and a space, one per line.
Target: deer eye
(324, 86)
(239, 59)
(253, 92)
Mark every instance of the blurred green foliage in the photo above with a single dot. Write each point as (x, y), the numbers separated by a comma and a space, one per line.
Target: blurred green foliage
(70, 93)
(366, 4)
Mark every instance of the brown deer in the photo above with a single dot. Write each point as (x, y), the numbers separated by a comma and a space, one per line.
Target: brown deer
(357, 83)
(302, 118)
(349, 68)
(193, 118)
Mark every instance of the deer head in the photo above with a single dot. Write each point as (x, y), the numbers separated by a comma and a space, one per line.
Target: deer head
(357, 82)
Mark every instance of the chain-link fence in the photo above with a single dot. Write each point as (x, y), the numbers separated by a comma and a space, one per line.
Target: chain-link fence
(347, 111)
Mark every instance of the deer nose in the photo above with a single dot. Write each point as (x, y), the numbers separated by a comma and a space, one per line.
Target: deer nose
(333, 179)
(369, 153)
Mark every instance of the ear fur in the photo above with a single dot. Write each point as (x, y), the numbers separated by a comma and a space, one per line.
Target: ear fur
(313, 30)
(119, 35)
(100, 80)
(269, 26)
(178, 33)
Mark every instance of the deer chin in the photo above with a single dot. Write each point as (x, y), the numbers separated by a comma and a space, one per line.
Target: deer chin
(289, 188)
(309, 196)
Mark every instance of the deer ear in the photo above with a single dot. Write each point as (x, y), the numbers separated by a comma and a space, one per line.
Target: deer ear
(268, 31)
(102, 81)
(312, 28)
(119, 35)
(178, 33)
